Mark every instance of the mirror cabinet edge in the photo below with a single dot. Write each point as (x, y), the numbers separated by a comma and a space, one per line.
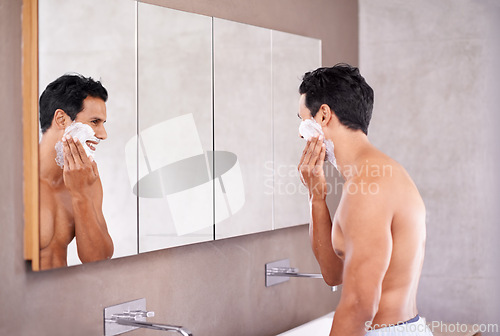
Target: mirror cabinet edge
(30, 132)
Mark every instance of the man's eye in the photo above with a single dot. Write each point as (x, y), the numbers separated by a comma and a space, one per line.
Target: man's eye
(94, 122)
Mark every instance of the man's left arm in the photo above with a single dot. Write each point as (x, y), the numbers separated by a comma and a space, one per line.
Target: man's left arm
(365, 219)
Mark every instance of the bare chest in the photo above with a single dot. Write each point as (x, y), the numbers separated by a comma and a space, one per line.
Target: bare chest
(57, 225)
(338, 239)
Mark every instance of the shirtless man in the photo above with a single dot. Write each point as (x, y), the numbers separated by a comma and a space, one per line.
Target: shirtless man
(71, 197)
(375, 246)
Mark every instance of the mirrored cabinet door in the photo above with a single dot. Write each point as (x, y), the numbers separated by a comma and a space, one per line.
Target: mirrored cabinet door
(97, 39)
(243, 129)
(175, 142)
(293, 55)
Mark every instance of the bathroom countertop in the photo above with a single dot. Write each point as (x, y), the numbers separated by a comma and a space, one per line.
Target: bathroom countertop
(455, 333)
(322, 326)
(319, 326)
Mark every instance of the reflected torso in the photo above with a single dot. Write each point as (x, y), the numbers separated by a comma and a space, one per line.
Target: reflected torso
(57, 225)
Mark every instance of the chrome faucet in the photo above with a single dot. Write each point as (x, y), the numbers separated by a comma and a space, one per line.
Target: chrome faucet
(291, 272)
(280, 271)
(132, 315)
(149, 325)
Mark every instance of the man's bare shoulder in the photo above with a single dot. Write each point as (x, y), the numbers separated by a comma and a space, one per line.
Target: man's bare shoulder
(378, 181)
(378, 169)
(371, 177)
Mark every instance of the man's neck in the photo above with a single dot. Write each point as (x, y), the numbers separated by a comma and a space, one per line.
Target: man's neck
(49, 170)
(349, 147)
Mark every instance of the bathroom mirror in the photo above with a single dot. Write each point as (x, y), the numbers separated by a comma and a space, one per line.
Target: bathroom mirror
(175, 201)
(97, 39)
(243, 123)
(202, 129)
(293, 55)
(257, 73)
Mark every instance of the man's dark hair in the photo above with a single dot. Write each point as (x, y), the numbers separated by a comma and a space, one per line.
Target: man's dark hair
(344, 90)
(68, 93)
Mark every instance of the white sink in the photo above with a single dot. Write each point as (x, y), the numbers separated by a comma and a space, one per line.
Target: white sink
(320, 327)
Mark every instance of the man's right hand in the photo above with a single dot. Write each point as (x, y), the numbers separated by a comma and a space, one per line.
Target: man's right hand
(311, 168)
(80, 173)
(81, 177)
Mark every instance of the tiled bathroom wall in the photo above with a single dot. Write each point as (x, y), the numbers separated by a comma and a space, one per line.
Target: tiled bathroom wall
(434, 66)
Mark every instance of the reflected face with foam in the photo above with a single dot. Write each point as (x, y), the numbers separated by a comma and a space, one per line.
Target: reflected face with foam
(94, 115)
(88, 127)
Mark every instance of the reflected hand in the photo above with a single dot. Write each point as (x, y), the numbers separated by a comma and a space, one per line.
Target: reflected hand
(311, 168)
(79, 172)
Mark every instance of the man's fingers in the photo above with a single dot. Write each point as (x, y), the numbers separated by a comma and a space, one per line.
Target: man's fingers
(316, 151)
(73, 145)
(69, 161)
(312, 145)
(322, 155)
(311, 152)
(72, 151)
(94, 166)
(81, 151)
(304, 152)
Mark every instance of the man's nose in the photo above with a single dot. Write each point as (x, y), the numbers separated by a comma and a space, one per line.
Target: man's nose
(101, 133)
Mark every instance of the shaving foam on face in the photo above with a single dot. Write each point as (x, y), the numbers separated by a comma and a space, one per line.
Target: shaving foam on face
(83, 133)
(309, 128)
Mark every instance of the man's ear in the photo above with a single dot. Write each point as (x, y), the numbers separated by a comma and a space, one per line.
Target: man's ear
(61, 119)
(325, 114)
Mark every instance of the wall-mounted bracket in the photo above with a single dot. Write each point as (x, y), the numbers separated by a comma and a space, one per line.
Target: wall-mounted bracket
(111, 328)
(272, 279)
(132, 315)
(280, 271)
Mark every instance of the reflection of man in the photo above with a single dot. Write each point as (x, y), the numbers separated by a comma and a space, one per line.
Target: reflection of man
(72, 117)
(375, 246)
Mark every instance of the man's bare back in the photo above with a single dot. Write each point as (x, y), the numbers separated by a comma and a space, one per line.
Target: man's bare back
(375, 244)
(407, 232)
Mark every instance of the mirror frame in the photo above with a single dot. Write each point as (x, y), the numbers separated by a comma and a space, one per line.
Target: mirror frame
(30, 132)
